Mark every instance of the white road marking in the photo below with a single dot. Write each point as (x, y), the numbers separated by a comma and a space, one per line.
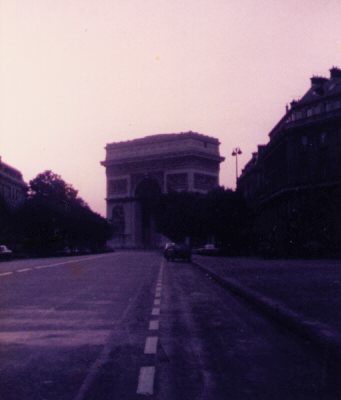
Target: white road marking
(151, 345)
(156, 311)
(157, 302)
(154, 325)
(146, 381)
(60, 263)
(66, 262)
(6, 273)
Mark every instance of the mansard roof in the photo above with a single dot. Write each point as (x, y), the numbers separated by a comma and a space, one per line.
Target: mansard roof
(321, 91)
(322, 88)
(321, 102)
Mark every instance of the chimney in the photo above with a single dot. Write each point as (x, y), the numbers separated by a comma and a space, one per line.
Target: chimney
(317, 83)
(335, 73)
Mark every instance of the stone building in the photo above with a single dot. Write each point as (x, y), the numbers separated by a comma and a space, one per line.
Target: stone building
(293, 183)
(139, 170)
(12, 186)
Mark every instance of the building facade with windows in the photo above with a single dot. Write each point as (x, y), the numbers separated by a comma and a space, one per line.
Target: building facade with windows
(138, 171)
(293, 183)
(13, 189)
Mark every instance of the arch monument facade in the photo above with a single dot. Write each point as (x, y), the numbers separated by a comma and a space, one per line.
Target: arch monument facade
(139, 171)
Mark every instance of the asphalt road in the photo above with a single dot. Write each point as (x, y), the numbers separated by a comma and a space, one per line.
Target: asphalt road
(128, 325)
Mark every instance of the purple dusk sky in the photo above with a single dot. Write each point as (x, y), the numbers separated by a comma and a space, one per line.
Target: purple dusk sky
(77, 74)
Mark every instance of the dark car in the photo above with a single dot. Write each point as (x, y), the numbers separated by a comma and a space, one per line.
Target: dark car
(177, 252)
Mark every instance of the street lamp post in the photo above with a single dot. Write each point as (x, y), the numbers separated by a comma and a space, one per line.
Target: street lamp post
(235, 153)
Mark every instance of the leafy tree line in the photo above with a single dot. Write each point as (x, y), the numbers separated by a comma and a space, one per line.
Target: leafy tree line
(220, 216)
(308, 226)
(53, 218)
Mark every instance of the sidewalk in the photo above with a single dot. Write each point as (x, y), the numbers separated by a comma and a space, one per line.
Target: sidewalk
(304, 295)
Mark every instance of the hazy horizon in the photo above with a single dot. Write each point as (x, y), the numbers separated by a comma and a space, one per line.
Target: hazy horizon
(76, 75)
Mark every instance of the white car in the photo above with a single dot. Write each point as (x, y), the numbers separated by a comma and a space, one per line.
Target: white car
(208, 250)
(5, 252)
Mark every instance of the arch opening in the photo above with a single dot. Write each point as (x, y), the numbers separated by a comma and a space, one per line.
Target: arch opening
(147, 194)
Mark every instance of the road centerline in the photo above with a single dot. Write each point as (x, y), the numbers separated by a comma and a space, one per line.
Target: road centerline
(151, 345)
(156, 311)
(154, 325)
(146, 381)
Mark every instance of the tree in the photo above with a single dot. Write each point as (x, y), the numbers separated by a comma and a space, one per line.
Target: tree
(220, 214)
(6, 216)
(51, 188)
(54, 217)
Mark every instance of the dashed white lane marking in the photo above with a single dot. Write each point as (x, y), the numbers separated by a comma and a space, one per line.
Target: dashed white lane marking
(147, 374)
(146, 381)
(24, 270)
(154, 325)
(156, 311)
(41, 267)
(6, 273)
(151, 345)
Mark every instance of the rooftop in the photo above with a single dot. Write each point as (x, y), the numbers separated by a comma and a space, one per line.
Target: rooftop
(165, 137)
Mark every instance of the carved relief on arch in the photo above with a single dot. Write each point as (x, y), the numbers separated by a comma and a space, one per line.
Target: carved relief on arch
(118, 220)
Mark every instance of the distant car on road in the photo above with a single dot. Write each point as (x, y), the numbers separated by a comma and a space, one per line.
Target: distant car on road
(175, 251)
(5, 252)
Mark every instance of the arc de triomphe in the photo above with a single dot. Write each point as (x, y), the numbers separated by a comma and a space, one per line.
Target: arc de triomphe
(139, 170)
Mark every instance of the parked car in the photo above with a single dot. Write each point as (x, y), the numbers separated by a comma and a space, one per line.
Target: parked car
(5, 252)
(208, 250)
(177, 252)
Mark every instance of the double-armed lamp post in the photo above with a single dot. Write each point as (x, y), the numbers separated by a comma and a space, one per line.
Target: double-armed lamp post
(235, 153)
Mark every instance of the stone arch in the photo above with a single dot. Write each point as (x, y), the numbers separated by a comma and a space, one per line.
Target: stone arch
(139, 170)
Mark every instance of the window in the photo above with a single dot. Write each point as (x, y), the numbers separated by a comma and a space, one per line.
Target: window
(298, 115)
(177, 182)
(117, 187)
(323, 137)
(329, 106)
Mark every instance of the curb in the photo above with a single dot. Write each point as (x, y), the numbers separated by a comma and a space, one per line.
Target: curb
(320, 334)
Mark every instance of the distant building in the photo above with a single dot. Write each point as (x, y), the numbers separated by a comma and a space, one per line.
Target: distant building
(293, 183)
(139, 170)
(13, 189)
